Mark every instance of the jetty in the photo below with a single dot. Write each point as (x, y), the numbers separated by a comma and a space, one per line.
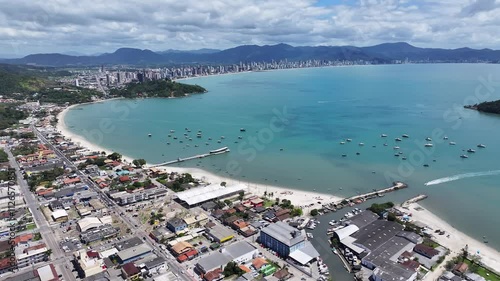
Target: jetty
(351, 201)
(417, 198)
(199, 156)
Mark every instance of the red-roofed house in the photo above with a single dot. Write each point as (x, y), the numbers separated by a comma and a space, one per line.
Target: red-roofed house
(213, 275)
(23, 238)
(123, 179)
(71, 181)
(425, 250)
(130, 271)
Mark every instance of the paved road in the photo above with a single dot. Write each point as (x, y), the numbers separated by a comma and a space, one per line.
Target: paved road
(119, 210)
(47, 233)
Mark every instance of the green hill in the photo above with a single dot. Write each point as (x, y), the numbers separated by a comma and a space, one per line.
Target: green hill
(490, 107)
(157, 88)
(21, 79)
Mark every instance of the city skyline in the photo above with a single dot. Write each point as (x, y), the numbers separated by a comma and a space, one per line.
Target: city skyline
(92, 27)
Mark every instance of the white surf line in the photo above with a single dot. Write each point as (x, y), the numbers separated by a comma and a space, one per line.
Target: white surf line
(463, 176)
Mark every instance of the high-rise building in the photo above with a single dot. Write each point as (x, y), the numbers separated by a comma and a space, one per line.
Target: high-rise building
(76, 83)
(107, 80)
(140, 77)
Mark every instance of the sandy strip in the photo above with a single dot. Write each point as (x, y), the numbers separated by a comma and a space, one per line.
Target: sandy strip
(458, 239)
(63, 129)
(304, 199)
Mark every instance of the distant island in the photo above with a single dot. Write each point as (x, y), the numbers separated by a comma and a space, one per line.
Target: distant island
(163, 88)
(489, 107)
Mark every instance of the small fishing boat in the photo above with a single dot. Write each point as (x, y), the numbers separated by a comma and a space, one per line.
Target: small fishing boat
(149, 135)
(428, 145)
(481, 146)
(405, 136)
(396, 147)
(470, 150)
(383, 135)
(452, 143)
(361, 144)
(428, 139)
(464, 156)
(398, 139)
(242, 130)
(342, 142)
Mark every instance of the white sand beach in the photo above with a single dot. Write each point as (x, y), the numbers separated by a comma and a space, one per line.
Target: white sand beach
(457, 239)
(63, 129)
(303, 199)
(306, 200)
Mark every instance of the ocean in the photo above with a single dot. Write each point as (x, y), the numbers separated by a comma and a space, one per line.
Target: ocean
(295, 121)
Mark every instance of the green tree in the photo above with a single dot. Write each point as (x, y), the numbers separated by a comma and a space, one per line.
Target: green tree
(115, 156)
(232, 268)
(296, 212)
(139, 162)
(314, 212)
(241, 195)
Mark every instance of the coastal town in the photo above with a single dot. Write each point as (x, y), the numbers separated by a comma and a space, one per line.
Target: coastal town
(75, 212)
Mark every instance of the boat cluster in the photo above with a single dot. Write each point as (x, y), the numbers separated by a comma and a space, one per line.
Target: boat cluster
(428, 144)
(323, 270)
(312, 224)
(199, 135)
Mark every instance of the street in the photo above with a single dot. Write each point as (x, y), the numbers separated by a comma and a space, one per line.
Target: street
(113, 205)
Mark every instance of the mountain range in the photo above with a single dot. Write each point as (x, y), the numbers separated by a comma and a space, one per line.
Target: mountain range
(383, 53)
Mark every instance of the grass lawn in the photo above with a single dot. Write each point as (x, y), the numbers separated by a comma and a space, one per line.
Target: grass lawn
(430, 243)
(30, 226)
(268, 203)
(483, 272)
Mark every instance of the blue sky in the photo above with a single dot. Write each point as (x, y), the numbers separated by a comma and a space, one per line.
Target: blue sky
(96, 26)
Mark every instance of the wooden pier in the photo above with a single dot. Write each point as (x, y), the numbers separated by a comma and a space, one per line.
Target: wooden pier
(179, 160)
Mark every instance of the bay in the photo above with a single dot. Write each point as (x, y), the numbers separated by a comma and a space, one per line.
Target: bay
(296, 119)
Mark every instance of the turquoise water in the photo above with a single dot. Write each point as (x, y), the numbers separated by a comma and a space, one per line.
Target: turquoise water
(296, 119)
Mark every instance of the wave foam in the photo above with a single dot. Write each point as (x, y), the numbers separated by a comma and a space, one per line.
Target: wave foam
(463, 176)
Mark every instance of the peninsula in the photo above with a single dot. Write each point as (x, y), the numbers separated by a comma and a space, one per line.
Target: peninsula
(164, 88)
(488, 107)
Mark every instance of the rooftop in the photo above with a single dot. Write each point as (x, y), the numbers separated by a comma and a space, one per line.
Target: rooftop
(238, 249)
(377, 233)
(284, 233)
(134, 252)
(206, 193)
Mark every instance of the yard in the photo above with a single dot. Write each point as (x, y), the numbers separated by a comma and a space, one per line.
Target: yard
(487, 274)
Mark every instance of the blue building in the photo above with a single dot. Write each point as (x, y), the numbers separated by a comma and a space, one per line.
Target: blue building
(176, 225)
(282, 238)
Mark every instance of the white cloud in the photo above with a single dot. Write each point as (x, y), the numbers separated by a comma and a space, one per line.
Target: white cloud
(92, 26)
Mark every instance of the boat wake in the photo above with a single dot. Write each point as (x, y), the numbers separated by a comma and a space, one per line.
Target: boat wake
(463, 176)
(325, 101)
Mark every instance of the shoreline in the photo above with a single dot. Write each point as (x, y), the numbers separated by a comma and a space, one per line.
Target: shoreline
(457, 240)
(300, 198)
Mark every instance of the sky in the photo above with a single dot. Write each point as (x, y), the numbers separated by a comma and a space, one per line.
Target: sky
(98, 26)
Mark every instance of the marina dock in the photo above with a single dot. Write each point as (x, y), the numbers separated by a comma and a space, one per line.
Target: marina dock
(363, 197)
(199, 156)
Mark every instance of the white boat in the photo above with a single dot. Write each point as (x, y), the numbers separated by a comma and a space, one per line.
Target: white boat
(385, 144)
(398, 139)
(452, 143)
(361, 144)
(242, 129)
(397, 154)
(348, 140)
(342, 142)
(445, 138)
(464, 156)
(428, 139)
(149, 135)
(383, 135)
(309, 235)
(222, 149)
(405, 136)
(172, 131)
(222, 137)
(396, 147)
(481, 146)
(428, 145)
(470, 150)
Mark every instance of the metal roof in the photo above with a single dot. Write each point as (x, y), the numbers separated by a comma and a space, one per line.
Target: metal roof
(134, 252)
(239, 249)
(198, 195)
(284, 233)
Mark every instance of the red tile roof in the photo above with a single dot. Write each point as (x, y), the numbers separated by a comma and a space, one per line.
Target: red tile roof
(212, 275)
(130, 269)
